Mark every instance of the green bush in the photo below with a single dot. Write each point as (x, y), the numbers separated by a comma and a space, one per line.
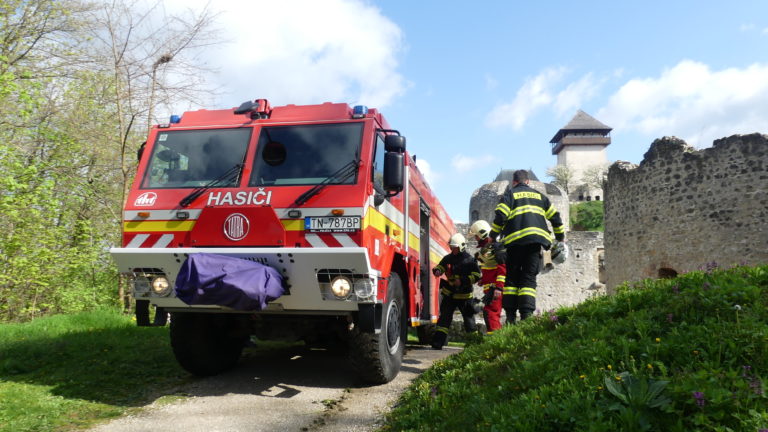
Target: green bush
(661, 355)
(587, 216)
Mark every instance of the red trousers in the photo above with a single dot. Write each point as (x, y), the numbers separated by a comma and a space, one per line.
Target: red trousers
(492, 315)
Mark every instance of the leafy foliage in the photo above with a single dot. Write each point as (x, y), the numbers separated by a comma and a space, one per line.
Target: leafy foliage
(76, 80)
(674, 355)
(587, 216)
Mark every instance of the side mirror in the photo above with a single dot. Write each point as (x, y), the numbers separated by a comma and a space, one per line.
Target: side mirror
(394, 172)
(394, 143)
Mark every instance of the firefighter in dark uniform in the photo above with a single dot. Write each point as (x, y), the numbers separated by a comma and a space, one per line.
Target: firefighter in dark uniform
(461, 272)
(520, 223)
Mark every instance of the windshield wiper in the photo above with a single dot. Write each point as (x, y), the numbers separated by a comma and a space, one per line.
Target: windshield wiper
(231, 174)
(340, 176)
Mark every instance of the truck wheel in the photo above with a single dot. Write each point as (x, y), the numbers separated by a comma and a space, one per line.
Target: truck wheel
(425, 332)
(377, 357)
(206, 344)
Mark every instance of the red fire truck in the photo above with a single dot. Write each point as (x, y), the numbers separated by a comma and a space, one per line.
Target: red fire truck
(326, 195)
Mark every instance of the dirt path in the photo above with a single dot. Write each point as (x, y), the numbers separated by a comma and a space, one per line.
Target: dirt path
(293, 390)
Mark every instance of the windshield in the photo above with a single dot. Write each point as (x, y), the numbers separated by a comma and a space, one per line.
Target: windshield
(306, 154)
(193, 158)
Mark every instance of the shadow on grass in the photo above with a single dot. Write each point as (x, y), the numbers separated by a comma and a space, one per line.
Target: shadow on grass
(116, 366)
(131, 366)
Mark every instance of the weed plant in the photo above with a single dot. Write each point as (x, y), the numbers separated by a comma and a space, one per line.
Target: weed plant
(684, 354)
(67, 371)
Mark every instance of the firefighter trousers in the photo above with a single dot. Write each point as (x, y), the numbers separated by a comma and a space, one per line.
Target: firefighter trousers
(447, 306)
(523, 262)
(492, 315)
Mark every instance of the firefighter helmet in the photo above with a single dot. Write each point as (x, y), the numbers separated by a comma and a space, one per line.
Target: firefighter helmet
(559, 252)
(458, 240)
(480, 229)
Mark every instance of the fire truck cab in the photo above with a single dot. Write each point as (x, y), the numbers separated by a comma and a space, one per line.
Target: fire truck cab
(325, 195)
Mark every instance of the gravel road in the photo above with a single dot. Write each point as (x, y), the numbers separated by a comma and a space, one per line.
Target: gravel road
(287, 390)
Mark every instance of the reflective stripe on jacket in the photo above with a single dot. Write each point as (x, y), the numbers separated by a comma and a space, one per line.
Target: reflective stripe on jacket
(521, 217)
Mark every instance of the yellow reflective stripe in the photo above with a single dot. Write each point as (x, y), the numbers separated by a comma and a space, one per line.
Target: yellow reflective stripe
(520, 195)
(488, 267)
(441, 329)
(476, 277)
(439, 267)
(495, 228)
(527, 291)
(526, 209)
(526, 232)
(152, 226)
(503, 208)
(501, 278)
(463, 296)
(559, 230)
(550, 212)
(508, 290)
(445, 291)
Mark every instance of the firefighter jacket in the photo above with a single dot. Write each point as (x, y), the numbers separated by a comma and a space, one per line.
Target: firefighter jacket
(462, 267)
(492, 258)
(521, 218)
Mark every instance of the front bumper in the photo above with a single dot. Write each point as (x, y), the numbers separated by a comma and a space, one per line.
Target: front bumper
(300, 266)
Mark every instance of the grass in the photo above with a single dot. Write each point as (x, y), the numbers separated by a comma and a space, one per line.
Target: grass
(70, 371)
(687, 354)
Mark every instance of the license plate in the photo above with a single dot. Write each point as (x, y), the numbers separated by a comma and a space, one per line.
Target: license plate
(332, 223)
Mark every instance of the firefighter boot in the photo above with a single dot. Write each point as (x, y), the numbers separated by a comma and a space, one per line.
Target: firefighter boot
(439, 338)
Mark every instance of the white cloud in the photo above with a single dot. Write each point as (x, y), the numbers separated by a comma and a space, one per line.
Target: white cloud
(574, 96)
(426, 169)
(747, 27)
(304, 51)
(533, 95)
(692, 102)
(544, 91)
(464, 164)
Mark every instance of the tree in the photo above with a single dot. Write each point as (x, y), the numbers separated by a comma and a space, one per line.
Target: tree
(587, 216)
(77, 82)
(594, 176)
(562, 175)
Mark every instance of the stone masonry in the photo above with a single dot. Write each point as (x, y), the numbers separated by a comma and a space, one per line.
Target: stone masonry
(682, 209)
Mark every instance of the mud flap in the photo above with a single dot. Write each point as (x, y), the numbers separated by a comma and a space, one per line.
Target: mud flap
(369, 318)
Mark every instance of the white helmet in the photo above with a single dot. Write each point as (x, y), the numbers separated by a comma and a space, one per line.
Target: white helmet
(480, 229)
(458, 240)
(559, 252)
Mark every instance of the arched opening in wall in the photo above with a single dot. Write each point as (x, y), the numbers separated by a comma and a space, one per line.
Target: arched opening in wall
(581, 197)
(597, 197)
(475, 215)
(667, 273)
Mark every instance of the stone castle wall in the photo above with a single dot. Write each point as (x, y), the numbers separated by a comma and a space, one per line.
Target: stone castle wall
(681, 209)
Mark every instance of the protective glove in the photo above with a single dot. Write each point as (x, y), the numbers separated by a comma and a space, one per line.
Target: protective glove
(489, 296)
(437, 272)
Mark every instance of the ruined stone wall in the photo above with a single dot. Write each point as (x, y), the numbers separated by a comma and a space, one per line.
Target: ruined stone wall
(682, 208)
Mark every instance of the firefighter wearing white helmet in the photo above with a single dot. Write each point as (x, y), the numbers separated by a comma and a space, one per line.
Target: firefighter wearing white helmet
(461, 272)
(492, 258)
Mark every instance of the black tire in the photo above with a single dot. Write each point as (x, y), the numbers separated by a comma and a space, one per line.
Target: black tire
(207, 344)
(425, 332)
(377, 357)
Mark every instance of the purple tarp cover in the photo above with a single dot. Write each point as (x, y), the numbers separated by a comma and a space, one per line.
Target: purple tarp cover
(211, 279)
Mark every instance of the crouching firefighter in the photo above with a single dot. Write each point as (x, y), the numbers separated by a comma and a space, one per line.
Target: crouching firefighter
(461, 272)
(492, 257)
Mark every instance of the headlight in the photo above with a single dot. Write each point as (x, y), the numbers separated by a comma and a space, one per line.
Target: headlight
(341, 286)
(141, 285)
(363, 288)
(160, 286)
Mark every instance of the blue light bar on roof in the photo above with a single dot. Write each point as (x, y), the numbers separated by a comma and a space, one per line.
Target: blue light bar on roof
(175, 118)
(359, 111)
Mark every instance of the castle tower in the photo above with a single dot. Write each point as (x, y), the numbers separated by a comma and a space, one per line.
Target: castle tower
(580, 145)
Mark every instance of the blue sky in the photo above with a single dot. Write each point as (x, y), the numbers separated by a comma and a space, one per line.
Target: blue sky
(483, 86)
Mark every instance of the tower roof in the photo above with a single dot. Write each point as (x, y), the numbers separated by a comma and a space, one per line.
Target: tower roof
(581, 122)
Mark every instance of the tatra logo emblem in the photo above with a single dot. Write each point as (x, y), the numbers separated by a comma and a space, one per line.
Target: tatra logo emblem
(236, 227)
(146, 199)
